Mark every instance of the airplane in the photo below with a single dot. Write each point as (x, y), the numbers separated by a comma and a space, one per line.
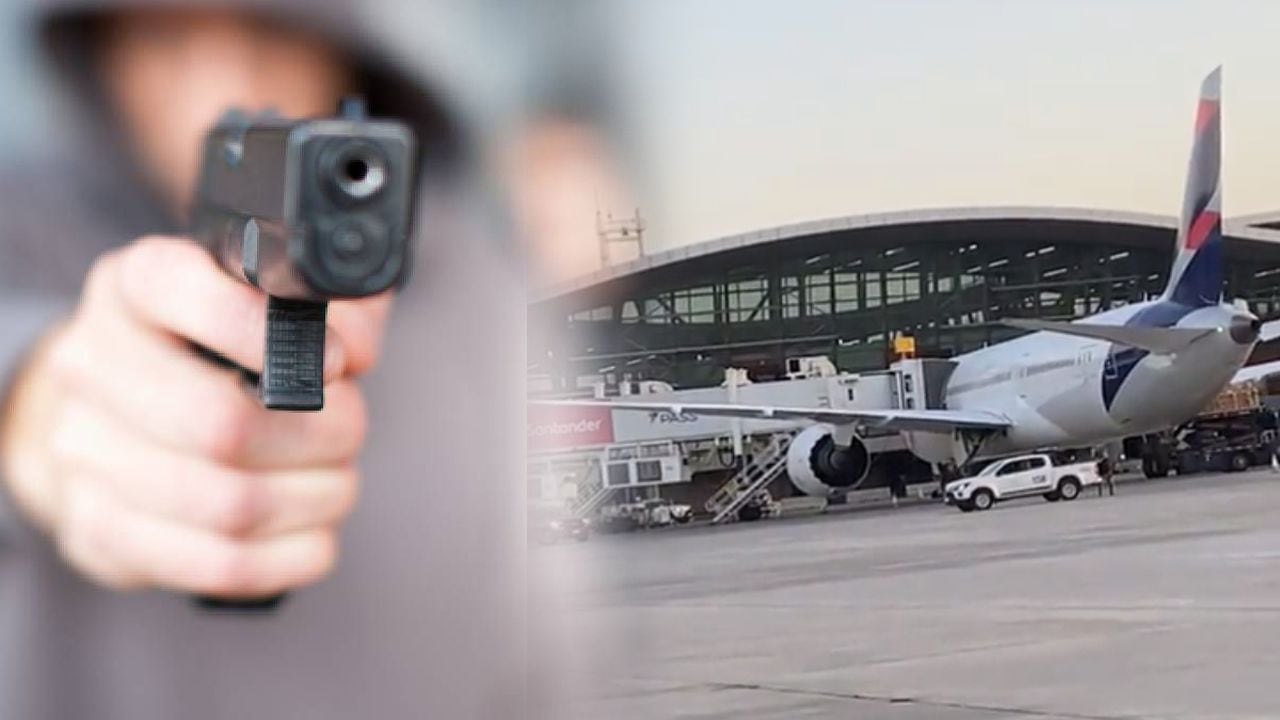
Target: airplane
(1128, 371)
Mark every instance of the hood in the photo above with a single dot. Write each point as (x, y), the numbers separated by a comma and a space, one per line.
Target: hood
(391, 89)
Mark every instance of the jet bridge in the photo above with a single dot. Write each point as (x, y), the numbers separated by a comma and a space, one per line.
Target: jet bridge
(874, 390)
(920, 384)
(702, 441)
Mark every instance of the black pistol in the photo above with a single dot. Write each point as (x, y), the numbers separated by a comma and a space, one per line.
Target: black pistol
(308, 211)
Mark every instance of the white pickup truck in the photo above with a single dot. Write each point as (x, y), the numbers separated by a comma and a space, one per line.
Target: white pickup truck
(1022, 476)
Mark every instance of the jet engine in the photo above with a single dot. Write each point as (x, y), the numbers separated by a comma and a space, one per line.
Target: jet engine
(818, 465)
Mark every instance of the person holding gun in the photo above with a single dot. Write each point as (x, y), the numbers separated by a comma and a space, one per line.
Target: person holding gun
(133, 463)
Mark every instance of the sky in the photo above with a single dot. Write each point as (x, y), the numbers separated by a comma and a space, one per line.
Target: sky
(755, 113)
(747, 114)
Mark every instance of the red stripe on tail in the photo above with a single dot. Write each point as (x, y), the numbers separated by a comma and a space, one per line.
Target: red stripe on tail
(1206, 110)
(1200, 229)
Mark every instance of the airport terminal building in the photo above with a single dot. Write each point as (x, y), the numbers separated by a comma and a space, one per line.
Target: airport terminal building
(844, 287)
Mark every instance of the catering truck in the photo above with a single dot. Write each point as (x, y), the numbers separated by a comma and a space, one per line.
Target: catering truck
(1234, 434)
(1237, 431)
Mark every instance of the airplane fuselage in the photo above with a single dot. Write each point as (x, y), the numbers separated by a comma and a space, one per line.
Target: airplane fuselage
(1066, 391)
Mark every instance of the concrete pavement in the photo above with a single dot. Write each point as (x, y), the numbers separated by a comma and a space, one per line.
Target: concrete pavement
(1162, 602)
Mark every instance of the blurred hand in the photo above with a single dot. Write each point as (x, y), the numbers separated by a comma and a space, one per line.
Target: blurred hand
(151, 467)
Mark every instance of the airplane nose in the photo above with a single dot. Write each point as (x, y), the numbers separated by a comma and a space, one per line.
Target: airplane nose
(1245, 329)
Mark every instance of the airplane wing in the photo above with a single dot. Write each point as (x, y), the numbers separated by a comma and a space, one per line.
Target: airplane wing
(923, 420)
(1161, 341)
(1256, 372)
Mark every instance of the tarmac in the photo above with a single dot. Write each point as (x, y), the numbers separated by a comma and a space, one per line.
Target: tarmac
(1160, 602)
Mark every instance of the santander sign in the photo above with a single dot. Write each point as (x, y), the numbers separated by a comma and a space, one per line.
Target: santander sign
(562, 428)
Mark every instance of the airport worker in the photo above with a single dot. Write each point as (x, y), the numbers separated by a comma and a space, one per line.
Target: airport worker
(661, 515)
(897, 487)
(1106, 471)
(136, 473)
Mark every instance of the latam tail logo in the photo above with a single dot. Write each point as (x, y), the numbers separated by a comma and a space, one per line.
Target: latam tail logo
(1196, 278)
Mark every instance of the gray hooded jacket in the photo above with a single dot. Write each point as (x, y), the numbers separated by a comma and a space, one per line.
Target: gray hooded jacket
(424, 615)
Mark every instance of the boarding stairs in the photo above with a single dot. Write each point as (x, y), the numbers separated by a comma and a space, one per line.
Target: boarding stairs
(599, 492)
(763, 468)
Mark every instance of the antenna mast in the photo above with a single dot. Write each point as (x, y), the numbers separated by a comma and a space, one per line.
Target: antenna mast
(611, 231)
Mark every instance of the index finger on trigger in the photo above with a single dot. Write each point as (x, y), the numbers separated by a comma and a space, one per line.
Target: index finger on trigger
(174, 285)
(359, 324)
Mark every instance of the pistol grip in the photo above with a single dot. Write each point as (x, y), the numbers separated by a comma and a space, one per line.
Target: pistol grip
(257, 606)
(292, 379)
(293, 365)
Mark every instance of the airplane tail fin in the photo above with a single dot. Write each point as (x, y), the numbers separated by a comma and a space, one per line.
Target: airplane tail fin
(1196, 277)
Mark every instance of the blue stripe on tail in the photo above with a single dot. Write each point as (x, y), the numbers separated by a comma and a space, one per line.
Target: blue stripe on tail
(1201, 282)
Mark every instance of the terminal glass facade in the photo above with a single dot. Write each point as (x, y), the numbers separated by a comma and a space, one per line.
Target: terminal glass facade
(846, 294)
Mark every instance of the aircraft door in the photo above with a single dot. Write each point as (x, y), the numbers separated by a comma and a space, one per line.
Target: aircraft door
(1084, 359)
